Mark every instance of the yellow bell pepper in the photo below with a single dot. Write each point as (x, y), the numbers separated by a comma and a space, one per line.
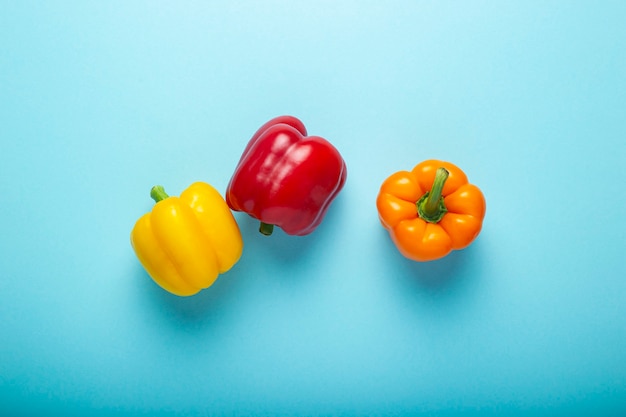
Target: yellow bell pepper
(187, 241)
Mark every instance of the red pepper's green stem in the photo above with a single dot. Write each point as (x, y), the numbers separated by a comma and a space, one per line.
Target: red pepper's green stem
(431, 206)
(158, 193)
(266, 228)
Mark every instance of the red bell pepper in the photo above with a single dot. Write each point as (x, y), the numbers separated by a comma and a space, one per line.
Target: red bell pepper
(286, 178)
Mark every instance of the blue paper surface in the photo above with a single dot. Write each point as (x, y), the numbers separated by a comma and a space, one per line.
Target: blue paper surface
(99, 101)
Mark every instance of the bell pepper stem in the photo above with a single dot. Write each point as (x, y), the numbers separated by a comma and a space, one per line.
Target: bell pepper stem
(158, 193)
(431, 206)
(266, 228)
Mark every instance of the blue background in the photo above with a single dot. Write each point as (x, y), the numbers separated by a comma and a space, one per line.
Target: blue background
(101, 100)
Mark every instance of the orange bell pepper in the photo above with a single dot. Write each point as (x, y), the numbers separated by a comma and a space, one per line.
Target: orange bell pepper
(430, 210)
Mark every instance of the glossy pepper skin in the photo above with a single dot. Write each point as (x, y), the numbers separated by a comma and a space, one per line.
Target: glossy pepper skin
(286, 178)
(185, 242)
(430, 210)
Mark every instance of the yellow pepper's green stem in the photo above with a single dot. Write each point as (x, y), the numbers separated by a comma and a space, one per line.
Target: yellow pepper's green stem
(431, 206)
(266, 228)
(158, 193)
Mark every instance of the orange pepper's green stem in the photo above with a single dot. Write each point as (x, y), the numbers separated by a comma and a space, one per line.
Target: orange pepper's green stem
(266, 229)
(431, 206)
(158, 193)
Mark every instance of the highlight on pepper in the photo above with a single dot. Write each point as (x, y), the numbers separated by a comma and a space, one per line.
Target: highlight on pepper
(185, 242)
(430, 210)
(285, 178)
